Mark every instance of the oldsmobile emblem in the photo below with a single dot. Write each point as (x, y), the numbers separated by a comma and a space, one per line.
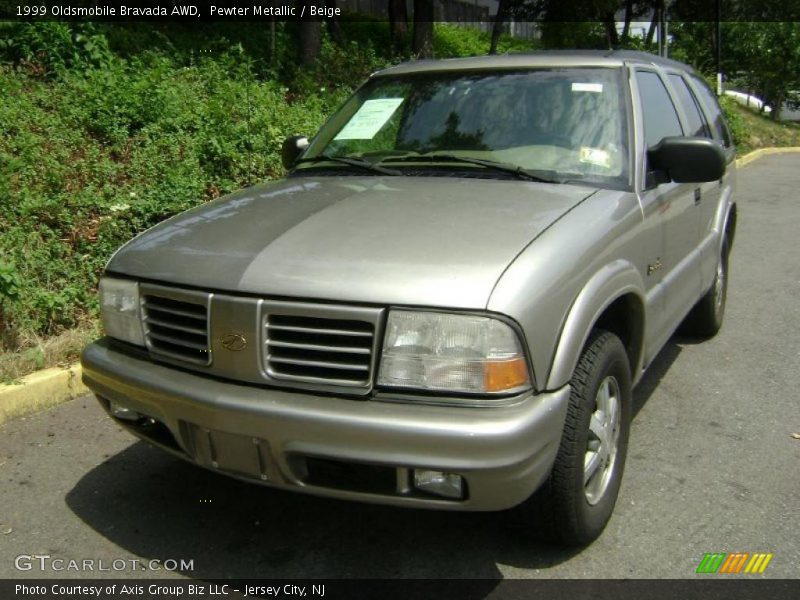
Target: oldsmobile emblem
(233, 341)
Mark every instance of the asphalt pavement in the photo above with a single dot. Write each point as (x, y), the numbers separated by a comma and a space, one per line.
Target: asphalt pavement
(712, 467)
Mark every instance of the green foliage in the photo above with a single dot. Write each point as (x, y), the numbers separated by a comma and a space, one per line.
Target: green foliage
(339, 69)
(92, 158)
(589, 34)
(51, 47)
(453, 41)
(9, 281)
(735, 121)
(762, 57)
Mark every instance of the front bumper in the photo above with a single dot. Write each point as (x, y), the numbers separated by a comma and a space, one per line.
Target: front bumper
(338, 447)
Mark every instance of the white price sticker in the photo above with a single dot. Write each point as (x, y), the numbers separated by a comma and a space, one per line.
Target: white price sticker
(587, 87)
(369, 119)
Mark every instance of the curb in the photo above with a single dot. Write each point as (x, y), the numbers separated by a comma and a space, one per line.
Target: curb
(756, 154)
(47, 388)
(40, 390)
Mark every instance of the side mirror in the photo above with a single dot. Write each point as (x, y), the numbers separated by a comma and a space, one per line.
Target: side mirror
(687, 160)
(292, 148)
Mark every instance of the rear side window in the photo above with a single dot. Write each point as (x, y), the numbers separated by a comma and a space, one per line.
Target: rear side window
(697, 122)
(660, 117)
(709, 100)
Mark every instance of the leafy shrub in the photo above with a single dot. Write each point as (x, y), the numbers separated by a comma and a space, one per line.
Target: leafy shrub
(735, 122)
(95, 157)
(51, 47)
(9, 281)
(110, 129)
(454, 41)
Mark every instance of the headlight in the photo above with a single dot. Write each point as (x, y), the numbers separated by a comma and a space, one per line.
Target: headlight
(119, 310)
(453, 353)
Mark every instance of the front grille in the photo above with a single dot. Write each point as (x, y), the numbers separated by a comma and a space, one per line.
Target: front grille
(177, 328)
(316, 349)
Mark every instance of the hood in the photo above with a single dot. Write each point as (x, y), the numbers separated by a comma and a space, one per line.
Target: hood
(427, 241)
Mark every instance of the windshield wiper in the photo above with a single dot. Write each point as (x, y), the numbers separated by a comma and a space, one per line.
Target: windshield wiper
(520, 172)
(516, 170)
(353, 162)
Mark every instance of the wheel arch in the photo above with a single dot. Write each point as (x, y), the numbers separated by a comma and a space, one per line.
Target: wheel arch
(729, 225)
(613, 299)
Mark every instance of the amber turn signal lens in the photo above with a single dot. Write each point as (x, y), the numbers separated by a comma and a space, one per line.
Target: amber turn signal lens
(504, 375)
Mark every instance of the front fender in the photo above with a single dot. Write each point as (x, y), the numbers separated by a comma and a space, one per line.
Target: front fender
(608, 284)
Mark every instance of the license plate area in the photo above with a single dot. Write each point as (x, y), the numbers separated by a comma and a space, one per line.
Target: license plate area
(241, 455)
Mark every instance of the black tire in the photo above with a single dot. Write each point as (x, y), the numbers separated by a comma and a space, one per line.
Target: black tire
(561, 511)
(705, 318)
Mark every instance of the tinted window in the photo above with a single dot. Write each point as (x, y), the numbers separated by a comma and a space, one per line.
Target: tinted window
(660, 118)
(709, 100)
(697, 122)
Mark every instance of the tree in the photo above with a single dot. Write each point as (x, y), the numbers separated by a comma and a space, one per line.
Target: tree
(767, 59)
(334, 28)
(423, 29)
(761, 57)
(497, 28)
(398, 24)
(309, 33)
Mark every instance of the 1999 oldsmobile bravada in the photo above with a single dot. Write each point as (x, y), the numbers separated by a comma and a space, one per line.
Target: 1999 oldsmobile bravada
(447, 301)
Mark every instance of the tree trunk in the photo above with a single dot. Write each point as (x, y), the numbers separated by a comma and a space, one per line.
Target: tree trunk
(497, 28)
(309, 33)
(333, 24)
(423, 28)
(611, 31)
(654, 23)
(626, 29)
(398, 24)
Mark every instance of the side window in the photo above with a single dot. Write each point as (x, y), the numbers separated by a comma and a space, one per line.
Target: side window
(697, 122)
(660, 118)
(709, 100)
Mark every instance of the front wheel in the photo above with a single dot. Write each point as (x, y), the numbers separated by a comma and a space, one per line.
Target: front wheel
(575, 503)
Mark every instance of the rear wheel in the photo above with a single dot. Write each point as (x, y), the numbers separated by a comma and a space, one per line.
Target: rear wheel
(705, 319)
(575, 503)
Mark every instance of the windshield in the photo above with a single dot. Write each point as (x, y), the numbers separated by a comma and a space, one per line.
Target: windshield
(568, 123)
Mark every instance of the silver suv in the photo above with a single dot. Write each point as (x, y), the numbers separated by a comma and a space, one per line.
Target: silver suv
(447, 301)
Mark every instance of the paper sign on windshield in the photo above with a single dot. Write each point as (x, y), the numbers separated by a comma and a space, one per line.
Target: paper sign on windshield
(587, 87)
(369, 119)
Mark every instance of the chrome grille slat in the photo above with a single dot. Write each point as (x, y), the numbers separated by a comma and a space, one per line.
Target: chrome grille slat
(319, 348)
(176, 311)
(365, 334)
(184, 328)
(319, 363)
(176, 325)
(177, 341)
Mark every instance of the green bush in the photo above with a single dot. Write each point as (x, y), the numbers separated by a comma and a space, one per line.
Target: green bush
(95, 157)
(110, 129)
(51, 47)
(735, 122)
(454, 41)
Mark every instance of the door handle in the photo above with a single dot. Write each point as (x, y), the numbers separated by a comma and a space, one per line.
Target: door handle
(697, 195)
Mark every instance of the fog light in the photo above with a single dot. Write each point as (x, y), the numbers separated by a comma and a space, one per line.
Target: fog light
(448, 485)
(120, 412)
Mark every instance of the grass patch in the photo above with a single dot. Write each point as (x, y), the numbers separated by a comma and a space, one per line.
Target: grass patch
(752, 130)
(35, 352)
